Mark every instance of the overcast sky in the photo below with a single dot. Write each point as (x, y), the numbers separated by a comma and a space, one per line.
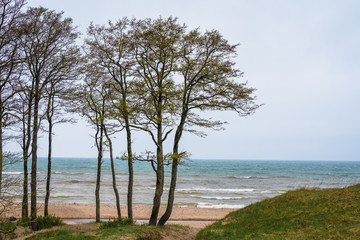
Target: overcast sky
(303, 57)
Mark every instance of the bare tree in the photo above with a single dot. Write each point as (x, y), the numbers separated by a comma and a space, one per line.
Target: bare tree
(56, 91)
(108, 48)
(91, 100)
(116, 192)
(23, 113)
(48, 44)
(9, 12)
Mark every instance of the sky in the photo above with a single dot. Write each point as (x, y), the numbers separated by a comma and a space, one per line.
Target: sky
(302, 56)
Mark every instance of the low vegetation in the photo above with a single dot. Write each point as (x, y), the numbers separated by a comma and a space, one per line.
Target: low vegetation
(43, 222)
(300, 214)
(117, 229)
(117, 223)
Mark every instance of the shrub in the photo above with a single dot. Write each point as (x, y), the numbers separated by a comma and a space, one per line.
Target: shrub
(48, 221)
(7, 228)
(24, 222)
(116, 222)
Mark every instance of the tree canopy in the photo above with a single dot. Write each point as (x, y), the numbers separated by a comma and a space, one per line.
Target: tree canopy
(149, 75)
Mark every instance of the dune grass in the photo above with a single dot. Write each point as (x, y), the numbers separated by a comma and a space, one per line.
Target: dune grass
(113, 231)
(300, 214)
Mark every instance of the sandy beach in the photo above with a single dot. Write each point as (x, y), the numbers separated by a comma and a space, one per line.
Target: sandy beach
(190, 216)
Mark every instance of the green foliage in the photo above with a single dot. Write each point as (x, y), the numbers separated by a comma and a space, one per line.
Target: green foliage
(116, 222)
(300, 214)
(7, 226)
(61, 235)
(24, 222)
(48, 221)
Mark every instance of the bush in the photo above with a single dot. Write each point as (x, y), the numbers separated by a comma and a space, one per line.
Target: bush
(48, 221)
(116, 222)
(7, 228)
(24, 222)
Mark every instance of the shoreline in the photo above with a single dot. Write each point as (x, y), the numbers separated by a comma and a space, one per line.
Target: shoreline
(190, 216)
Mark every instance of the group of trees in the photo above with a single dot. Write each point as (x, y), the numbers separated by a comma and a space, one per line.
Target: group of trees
(39, 61)
(146, 75)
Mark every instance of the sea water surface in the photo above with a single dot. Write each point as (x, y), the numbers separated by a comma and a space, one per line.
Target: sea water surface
(201, 183)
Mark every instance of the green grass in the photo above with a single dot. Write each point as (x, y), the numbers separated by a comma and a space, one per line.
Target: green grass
(121, 231)
(300, 214)
(61, 235)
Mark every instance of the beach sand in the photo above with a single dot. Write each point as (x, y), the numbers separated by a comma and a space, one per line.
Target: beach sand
(71, 212)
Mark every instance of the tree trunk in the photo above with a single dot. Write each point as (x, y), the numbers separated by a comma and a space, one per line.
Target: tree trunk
(34, 159)
(26, 145)
(113, 175)
(159, 179)
(171, 196)
(131, 170)
(48, 178)
(25, 200)
(98, 175)
(174, 169)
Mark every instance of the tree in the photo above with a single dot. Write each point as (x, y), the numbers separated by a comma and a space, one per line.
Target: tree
(209, 83)
(156, 48)
(55, 92)
(47, 42)
(23, 113)
(116, 192)
(91, 100)
(9, 62)
(107, 47)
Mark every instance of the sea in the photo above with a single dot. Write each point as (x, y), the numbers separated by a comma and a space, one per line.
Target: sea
(202, 183)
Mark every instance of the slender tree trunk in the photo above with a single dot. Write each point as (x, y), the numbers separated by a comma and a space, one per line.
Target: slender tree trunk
(159, 178)
(174, 169)
(34, 159)
(48, 178)
(98, 175)
(131, 170)
(171, 197)
(25, 200)
(113, 175)
(26, 145)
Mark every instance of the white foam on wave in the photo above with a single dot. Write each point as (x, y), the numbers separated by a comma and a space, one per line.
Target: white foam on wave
(221, 198)
(273, 191)
(219, 190)
(12, 173)
(208, 205)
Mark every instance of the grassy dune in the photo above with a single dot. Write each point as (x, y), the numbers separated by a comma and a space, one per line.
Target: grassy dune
(300, 214)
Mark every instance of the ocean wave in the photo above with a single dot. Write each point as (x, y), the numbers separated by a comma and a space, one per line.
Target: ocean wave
(219, 190)
(208, 205)
(273, 191)
(244, 177)
(12, 173)
(220, 198)
(83, 181)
